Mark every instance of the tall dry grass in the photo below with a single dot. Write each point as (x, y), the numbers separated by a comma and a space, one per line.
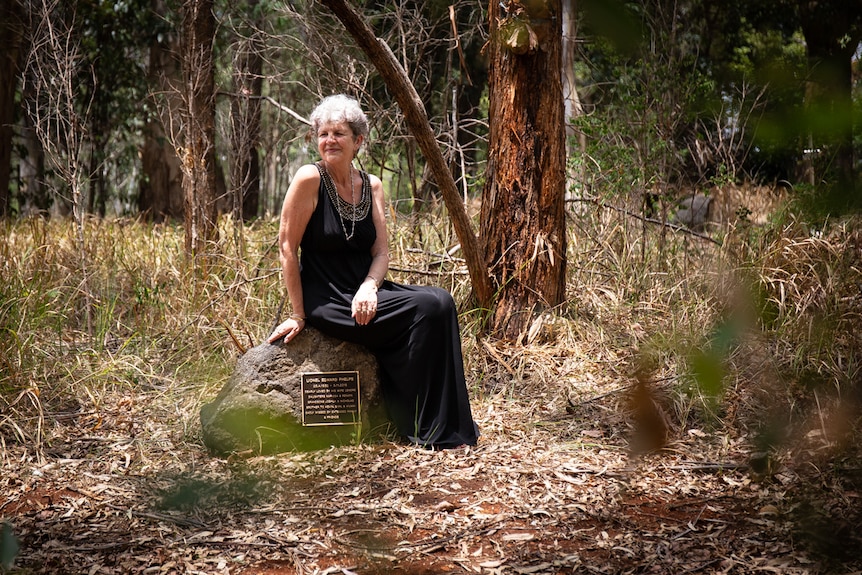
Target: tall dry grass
(720, 330)
(161, 326)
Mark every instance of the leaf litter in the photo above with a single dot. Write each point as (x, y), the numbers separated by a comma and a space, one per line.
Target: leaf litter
(122, 483)
(546, 492)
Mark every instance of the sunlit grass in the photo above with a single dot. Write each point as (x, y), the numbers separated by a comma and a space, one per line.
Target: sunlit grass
(641, 301)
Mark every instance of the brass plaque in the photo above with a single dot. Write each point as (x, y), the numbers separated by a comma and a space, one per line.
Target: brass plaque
(330, 398)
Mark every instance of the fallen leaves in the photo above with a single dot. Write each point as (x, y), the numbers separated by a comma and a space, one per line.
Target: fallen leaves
(531, 498)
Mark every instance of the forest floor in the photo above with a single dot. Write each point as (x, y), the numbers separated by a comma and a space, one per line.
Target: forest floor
(551, 488)
(103, 470)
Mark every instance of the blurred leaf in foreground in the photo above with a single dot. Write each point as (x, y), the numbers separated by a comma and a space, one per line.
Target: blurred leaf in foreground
(8, 547)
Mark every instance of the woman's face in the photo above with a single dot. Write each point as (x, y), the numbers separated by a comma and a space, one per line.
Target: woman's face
(336, 142)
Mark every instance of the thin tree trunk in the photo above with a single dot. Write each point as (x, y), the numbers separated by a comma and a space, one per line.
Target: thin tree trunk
(12, 32)
(571, 99)
(161, 192)
(523, 220)
(245, 118)
(198, 154)
(417, 121)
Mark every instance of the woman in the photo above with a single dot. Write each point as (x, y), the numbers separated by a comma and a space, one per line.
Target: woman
(335, 213)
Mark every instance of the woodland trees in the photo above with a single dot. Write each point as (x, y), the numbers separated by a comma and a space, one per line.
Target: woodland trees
(197, 129)
(175, 97)
(697, 92)
(12, 30)
(522, 220)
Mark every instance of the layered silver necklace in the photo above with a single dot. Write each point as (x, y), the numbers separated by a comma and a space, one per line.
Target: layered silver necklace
(353, 210)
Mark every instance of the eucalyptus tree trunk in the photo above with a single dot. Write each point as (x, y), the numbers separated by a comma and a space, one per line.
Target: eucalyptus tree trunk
(12, 30)
(161, 192)
(197, 156)
(522, 219)
(245, 122)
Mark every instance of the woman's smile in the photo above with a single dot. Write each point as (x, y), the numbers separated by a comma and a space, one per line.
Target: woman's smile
(335, 138)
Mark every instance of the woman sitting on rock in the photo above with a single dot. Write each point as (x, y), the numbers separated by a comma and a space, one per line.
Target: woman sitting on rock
(336, 282)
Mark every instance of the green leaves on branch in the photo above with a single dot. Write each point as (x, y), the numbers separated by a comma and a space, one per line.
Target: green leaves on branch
(525, 26)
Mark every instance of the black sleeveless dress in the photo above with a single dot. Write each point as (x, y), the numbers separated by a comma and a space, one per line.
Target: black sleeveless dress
(414, 335)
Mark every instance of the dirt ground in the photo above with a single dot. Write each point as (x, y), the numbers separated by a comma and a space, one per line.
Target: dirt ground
(547, 491)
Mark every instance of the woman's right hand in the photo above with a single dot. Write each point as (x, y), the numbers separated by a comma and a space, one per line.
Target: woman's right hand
(288, 329)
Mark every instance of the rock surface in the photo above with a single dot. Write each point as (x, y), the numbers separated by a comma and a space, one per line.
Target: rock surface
(693, 211)
(260, 407)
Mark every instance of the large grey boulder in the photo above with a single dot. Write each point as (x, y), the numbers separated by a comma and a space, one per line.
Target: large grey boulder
(260, 407)
(693, 211)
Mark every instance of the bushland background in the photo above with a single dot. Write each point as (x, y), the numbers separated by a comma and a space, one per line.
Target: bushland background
(689, 402)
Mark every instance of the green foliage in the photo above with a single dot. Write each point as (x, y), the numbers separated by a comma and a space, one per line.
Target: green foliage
(8, 547)
(648, 97)
(707, 364)
(727, 89)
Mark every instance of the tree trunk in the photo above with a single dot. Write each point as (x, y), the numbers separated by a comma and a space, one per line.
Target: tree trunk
(572, 101)
(523, 220)
(245, 119)
(417, 121)
(12, 32)
(161, 192)
(33, 196)
(198, 153)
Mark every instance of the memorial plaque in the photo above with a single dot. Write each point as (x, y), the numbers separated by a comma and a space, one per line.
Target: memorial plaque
(330, 398)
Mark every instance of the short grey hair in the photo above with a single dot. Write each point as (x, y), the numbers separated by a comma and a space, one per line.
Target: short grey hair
(340, 108)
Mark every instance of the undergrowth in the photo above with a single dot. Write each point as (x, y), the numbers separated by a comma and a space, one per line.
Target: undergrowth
(757, 332)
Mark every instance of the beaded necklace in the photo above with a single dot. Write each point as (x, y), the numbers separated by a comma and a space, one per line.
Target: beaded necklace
(356, 209)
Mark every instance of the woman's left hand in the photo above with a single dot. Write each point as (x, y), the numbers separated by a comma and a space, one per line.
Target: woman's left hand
(288, 329)
(364, 306)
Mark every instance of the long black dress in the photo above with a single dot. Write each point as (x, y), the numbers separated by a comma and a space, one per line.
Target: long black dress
(414, 335)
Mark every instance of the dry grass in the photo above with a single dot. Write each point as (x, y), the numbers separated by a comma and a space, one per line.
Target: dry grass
(750, 345)
(641, 299)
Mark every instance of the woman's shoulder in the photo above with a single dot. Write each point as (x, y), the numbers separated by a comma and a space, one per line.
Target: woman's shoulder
(306, 176)
(373, 180)
(308, 172)
(305, 182)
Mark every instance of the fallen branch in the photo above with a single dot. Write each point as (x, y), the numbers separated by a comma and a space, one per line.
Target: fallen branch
(665, 224)
(427, 272)
(270, 100)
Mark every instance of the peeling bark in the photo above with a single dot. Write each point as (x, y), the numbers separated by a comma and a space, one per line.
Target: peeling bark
(523, 221)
